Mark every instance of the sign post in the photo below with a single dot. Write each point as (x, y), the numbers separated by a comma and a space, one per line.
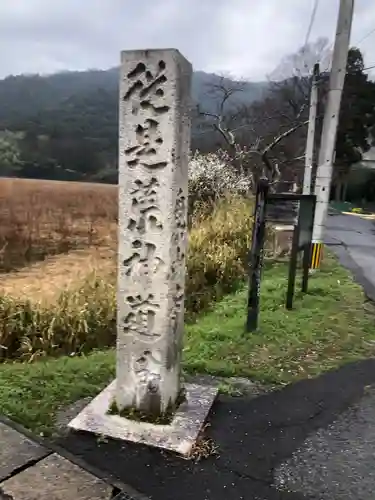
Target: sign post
(292, 270)
(292, 209)
(297, 210)
(256, 255)
(306, 227)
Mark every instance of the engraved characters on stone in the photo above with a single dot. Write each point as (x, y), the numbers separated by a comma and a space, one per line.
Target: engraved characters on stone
(145, 94)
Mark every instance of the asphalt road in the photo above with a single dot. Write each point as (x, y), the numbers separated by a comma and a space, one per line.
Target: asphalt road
(352, 239)
(269, 447)
(336, 463)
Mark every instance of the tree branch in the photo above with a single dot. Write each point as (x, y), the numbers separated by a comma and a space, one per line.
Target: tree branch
(272, 170)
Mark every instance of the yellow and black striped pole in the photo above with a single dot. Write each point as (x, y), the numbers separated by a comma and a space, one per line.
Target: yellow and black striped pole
(316, 255)
(317, 244)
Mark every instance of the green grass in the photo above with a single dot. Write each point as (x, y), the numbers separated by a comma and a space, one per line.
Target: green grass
(329, 326)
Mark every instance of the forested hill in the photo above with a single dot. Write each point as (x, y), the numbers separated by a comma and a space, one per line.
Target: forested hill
(64, 126)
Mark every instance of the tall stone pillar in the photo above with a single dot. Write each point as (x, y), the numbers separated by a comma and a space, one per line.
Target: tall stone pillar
(154, 124)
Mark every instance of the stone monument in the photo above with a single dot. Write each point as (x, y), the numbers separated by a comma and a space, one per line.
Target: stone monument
(154, 129)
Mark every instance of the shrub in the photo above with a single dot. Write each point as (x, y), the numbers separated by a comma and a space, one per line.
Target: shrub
(218, 250)
(81, 319)
(85, 319)
(210, 178)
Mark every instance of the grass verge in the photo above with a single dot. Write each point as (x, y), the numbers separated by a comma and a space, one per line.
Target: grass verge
(329, 326)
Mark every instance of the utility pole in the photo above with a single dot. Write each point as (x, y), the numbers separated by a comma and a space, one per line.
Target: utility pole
(310, 144)
(330, 124)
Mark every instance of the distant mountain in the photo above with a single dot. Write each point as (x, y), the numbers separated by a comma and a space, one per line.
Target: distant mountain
(68, 120)
(26, 95)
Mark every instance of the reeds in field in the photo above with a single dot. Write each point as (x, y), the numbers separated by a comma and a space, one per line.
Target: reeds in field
(40, 218)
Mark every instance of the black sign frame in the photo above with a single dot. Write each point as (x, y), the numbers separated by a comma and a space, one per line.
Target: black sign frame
(256, 254)
(302, 242)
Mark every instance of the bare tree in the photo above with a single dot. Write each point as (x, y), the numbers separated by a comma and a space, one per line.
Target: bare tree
(267, 138)
(223, 119)
(250, 133)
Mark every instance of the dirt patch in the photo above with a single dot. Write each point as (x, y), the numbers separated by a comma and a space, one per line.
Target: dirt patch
(44, 281)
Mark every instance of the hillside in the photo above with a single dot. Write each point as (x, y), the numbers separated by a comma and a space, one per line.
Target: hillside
(27, 95)
(64, 126)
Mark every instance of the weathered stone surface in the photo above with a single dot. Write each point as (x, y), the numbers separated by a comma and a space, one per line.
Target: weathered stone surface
(154, 121)
(16, 450)
(56, 478)
(179, 436)
(154, 145)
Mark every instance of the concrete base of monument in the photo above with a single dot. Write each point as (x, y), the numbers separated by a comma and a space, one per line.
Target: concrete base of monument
(179, 436)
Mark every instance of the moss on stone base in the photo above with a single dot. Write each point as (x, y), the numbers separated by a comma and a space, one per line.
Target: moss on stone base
(147, 417)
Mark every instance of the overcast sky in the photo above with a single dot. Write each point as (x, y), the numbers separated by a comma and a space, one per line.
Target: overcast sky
(246, 38)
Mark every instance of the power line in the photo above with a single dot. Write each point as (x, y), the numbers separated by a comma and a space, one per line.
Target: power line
(308, 33)
(369, 33)
(360, 41)
(366, 36)
(311, 23)
(363, 39)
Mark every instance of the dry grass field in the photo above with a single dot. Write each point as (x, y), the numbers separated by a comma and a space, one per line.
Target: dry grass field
(52, 233)
(66, 303)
